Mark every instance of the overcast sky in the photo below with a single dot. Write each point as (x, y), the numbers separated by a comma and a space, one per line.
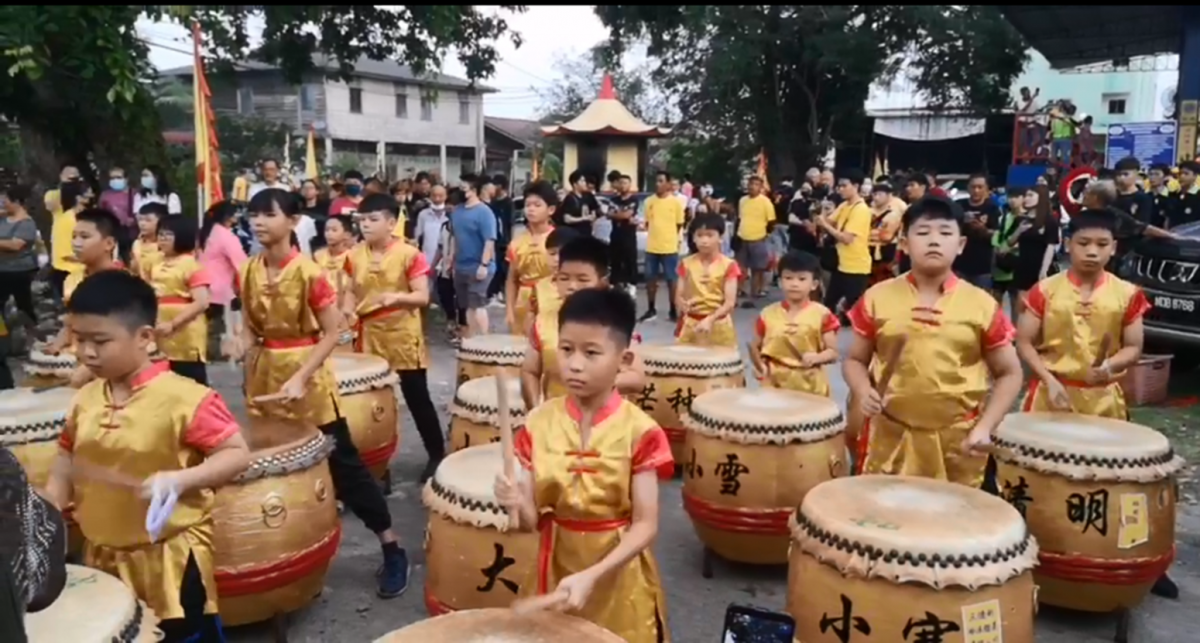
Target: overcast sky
(549, 33)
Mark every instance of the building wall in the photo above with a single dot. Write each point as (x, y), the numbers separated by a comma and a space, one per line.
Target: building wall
(266, 95)
(622, 157)
(1142, 91)
(378, 119)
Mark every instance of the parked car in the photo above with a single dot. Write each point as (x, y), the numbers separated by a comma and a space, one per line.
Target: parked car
(1169, 273)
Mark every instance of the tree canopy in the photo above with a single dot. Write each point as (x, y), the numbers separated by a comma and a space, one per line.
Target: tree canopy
(579, 81)
(793, 79)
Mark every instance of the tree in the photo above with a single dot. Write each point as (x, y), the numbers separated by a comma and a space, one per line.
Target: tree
(580, 81)
(793, 79)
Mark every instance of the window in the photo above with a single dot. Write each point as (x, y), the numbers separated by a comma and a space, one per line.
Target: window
(355, 100)
(1116, 106)
(464, 109)
(245, 98)
(401, 104)
(427, 103)
(308, 98)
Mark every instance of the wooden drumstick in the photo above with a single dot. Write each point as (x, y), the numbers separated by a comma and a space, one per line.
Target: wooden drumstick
(504, 422)
(889, 369)
(539, 603)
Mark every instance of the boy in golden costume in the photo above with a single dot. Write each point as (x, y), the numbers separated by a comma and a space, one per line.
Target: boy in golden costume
(339, 239)
(145, 253)
(948, 346)
(706, 291)
(182, 286)
(290, 323)
(795, 338)
(527, 258)
(159, 430)
(594, 460)
(387, 289)
(545, 297)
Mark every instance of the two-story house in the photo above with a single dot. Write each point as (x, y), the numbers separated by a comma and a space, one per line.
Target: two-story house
(385, 115)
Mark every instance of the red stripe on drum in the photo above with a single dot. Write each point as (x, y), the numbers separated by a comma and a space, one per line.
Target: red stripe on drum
(433, 605)
(766, 522)
(675, 435)
(1101, 571)
(264, 578)
(380, 455)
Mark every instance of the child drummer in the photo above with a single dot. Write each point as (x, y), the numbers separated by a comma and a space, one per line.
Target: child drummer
(706, 290)
(795, 338)
(158, 430)
(145, 253)
(1082, 328)
(182, 286)
(545, 297)
(290, 324)
(947, 346)
(597, 507)
(339, 239)
(387, 287)
(527, 255)
(582, 265)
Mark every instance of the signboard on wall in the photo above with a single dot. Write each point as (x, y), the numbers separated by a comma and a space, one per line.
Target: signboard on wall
(1150, 143)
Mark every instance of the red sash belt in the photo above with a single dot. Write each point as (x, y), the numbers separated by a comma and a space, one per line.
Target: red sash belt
(528, 284)
(1083, 569)
(1035, 384)
(763, 522)
(289, 342)
(174, 301)
(546, 525)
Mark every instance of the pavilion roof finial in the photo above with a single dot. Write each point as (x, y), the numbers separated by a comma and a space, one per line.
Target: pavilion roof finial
(606, 88)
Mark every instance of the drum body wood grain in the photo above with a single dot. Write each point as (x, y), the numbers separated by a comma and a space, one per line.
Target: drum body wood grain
(94, 607)
(495, 625)
(908, 559)
(475, 414)
(276, 531)
(367, 391)
(676, 375)
(491, 354)
(751, 456)
(1100, 497)
(472, 560)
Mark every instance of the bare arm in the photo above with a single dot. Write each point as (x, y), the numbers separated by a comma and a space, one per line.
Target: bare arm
(417, 297)
(59, 490)
(220, 465)
(531, 376)
(643, 528)
(330, 319)
(489, 252)
(1007, 380)
(632, 379)
(510, 291)
(856, 365)
(12, 245)
(1047, 259)
(1132, 339)
(1029, 328)
(730, 300)
(197, 307)
(830, 354)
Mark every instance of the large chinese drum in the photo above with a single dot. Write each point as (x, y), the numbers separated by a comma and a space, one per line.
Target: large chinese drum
(502, 626)
(485, 355)
(676, 374)
(475, 413)
(751, 457)
(94, 607)
(367, 388)
(899, 558)
(276, 531)
(43, 369)
(1099, 494)
(472, 560)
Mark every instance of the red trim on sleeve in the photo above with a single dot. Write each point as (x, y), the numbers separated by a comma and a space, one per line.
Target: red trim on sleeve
(653, 453)
(66, 439)
(419, 267)
(321, 294)
(760, 327)
(1000, 333)
(680, 270)
(830, 324)
(348, 266)
(535, 340)
(533, 301)
(734, 271)
(199, 279)
(861, 320)
(1138, 307)
(66, 442)
(1035, 300)
(511, 255)
(523, 448)
(211, 424)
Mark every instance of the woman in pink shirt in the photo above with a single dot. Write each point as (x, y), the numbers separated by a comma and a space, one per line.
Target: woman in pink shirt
(222, 255)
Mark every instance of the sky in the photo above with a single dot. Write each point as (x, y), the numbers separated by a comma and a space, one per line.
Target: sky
(549, 33)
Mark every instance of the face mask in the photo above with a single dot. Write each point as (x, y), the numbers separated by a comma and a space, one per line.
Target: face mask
(148, 182)
(117, 185)
(353, 190)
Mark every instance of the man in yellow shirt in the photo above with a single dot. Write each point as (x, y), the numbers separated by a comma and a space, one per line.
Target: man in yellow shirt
(72, 198)
(664, 219)
(756, 214)
(850, 228)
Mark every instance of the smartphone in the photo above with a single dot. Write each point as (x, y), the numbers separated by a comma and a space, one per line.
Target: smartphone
(749, 624)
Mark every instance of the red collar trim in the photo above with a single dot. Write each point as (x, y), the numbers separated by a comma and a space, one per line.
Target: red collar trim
(610, 407)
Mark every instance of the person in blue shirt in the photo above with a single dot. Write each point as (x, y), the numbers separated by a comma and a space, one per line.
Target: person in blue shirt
(473, 254)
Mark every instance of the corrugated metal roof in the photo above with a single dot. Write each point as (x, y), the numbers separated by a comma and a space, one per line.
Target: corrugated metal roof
(1073, 35)
(366, 68)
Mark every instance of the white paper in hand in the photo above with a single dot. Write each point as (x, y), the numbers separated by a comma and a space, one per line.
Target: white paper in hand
(162, 505)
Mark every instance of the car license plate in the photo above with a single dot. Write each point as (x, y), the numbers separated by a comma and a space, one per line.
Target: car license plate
(1180, 304)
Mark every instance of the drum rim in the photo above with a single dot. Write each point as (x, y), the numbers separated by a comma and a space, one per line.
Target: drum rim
(141, 622)
(661, 366)
(439, 496)
(12, 426)
(520, 345)
(460, 407)
(288, 459)
(485, 614)
(807, 431)
(1014, 450)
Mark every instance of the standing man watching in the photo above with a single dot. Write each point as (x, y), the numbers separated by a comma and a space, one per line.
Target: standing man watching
(623, 240)
(664, 220)
(850, 227)
(756, 215)
(982, 219)
(579, 209)
(473, 252)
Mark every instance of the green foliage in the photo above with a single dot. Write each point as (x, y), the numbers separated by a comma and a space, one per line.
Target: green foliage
(579, 83)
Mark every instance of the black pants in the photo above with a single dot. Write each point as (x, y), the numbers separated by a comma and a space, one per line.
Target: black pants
(414, 386)
(195, 626)
(847, 287)
(19, 286)
(497, 284)
(197, 371)
(57, 279)
(353, 484)
(448, 302)
(623, 250)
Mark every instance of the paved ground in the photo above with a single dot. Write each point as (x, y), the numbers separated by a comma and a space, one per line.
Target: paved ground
(349, 611)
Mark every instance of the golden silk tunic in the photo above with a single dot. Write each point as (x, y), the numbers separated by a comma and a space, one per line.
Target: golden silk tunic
(281, 312)
(167, 424)
(1073, 332)
(583, 493)
(786, 334)
(145, 254)
(334, 267)
(941, 381)
(173, 280)
(527, 257)
(545, 298)
(703, 284)
(395, 334)
(543, 338)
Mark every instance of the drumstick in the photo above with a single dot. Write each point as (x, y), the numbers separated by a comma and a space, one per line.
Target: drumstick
(889, 369)
(504, 422)
(532, 604)
(270, 397)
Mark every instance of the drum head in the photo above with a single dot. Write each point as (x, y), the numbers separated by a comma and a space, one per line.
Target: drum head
(502, 626)
(493, 346)
(44, 362)
(690, 361)
(94, 606)
(1086, 447)
(479, 396)
(914, 529)
(26, 412)
(356, 368)
(759, 416)
(462, 488)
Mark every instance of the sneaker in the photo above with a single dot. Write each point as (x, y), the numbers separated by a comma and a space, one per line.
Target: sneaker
(747, 305)
(1164, 587)
(648, 316)
(393, 575)
(673, 315)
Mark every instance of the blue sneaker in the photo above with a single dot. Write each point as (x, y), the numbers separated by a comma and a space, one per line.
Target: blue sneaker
(393, 575)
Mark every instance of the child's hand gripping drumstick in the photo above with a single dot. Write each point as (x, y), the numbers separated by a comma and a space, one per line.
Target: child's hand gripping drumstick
(876, 401)
(544, 602)
(504, 421)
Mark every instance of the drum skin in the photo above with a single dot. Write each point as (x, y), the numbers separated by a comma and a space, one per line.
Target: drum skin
(497, 354)
(487, 625)
(475, 413)
(276, 530)
(752, 526)
(455, 554)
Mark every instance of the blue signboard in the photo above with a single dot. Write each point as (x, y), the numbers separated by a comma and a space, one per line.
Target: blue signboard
(1150, 143)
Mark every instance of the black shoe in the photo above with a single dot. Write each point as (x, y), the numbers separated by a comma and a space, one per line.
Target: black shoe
(1164, 587)
(393, 575)
(673, 315)
(430, 469)
(747, 304)
(648, 316)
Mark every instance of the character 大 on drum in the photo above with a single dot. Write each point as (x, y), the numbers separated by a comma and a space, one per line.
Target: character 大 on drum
(594, 461)
(940, 338)
(140, 422)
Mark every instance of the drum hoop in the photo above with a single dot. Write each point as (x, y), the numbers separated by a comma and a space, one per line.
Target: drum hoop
(664, 368)
(306, 456)
(41, 431)
(133, 629)
(436, 493)
(491, 357)
(382, 379)
(1075, 466)
(795, 432)
(55, 363)
(472, 410)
